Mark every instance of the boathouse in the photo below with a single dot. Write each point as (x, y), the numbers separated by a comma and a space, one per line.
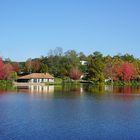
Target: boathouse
(36, 78)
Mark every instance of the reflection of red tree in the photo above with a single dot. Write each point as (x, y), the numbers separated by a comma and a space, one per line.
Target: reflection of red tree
(128, 92)
(125, 90)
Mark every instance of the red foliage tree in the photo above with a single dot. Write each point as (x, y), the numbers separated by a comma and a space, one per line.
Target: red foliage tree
(16, 67)
(36, 66)
(33, 65)
(117, 72)
(125, 71)
(1, 69)
(129, 71)
(75, 74)
(8, 69)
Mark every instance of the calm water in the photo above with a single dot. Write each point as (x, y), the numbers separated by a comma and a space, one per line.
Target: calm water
(71, 113)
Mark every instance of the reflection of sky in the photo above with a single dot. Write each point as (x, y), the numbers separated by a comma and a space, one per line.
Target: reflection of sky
(78, 90)
(28, 116)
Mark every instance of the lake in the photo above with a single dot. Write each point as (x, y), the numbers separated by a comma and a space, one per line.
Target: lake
(70, 112)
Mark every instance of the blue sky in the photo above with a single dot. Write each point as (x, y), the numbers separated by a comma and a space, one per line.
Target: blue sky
(30, 28)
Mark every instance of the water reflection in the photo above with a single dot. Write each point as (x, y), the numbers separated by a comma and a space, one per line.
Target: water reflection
(53, 91)
(36, 89)
(126, 90)
(79, 90)
(47, 91)
(51, 112)
(41, 89)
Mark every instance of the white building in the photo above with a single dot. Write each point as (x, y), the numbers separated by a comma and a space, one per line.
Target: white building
(83, 62)
(36, 78)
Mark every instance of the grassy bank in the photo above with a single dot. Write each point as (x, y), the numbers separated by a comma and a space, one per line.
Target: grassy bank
(125, 83)
(59, 81)
(115, 83)
(5, 84)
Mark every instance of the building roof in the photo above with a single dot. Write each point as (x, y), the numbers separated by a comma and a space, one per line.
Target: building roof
(37, 76)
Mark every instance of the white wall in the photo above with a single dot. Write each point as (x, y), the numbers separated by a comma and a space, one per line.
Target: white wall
(51, 80)
(41, 80)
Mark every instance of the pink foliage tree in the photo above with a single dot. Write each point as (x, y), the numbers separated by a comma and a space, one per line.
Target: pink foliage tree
(8, 69)
(75, 74)
(125, 71)
(1, 69)
(16, 67)
(129, 71)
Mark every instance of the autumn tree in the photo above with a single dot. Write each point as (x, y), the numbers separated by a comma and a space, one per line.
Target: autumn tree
(126, 72)
(16, 67)
(136, 63)
(112, 67)
(108, 71)
(1, 69)
(35, 66)
(75, 74)
(129, 71)
(28, 65)
(8, 69)
(117, 72)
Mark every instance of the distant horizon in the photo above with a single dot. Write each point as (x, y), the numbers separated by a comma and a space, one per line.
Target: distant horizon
(30, 28)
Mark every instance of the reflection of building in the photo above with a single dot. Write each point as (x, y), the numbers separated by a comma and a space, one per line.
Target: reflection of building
(41, 89)
(109, 88)
(36, 78)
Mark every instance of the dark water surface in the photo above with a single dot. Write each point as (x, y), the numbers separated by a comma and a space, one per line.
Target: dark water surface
(71, 113)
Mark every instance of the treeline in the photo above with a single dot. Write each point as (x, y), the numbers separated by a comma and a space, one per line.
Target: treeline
(95, 67)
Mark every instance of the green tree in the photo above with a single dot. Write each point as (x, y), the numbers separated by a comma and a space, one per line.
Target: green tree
(13, 76)
(128, 58)
(95, 72)
(44, 68)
